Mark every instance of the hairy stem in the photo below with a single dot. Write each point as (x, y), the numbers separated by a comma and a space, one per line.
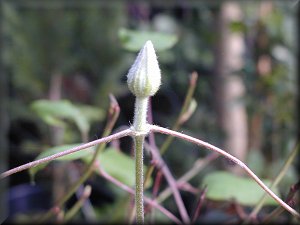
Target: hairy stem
(140, 114)
(232, 158)
(140, 125)
(139, 189)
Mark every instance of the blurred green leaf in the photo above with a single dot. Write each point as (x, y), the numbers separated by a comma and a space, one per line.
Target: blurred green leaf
(91, 113)
(119, 165)
(113, 213)
(255, 161)
(224, 186)
(237, 27)
(55, 112)
(134, 40)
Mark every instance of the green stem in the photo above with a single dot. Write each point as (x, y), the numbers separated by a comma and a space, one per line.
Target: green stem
(140, 114)
(140, 125)
(139, 142)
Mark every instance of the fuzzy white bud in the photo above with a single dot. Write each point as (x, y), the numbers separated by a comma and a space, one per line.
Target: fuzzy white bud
(144, 76)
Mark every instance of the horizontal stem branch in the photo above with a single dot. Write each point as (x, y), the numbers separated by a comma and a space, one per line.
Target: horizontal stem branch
(127, 132)
(153, 128)
(196, 141)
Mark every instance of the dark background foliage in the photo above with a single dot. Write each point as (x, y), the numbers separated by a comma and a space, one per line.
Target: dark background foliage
(72, 50)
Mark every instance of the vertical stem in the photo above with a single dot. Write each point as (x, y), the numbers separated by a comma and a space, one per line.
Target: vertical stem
(140, 114)
(139, 141)
(139, 123)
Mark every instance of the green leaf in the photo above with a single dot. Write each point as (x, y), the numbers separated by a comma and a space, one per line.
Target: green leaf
(113, 213)
(224, 186)
(91, 113)
(133, 40)
(255, 160)
(56, 112)
(51, 151)
(237, 27)
(119, 165)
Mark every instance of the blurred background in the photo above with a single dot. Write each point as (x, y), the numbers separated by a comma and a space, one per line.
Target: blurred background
(76, 53)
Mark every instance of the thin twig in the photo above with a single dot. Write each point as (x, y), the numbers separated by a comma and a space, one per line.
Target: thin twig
(124, 133)
(85, 195)
(199, 205)
(239, 210)
(283, 170)
(187, 187)
(166, 172)
(158, 129)
(198, 165)
(293, 189)
(150, 121)
(157, 183)
(179, 121)
(196, 141)
(113, 114)
(131, 191)
(171, 181)
(87, 207)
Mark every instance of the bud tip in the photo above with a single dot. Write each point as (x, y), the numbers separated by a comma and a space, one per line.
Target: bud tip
(144, 76)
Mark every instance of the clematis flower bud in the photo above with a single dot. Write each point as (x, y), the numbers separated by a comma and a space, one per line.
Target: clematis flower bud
(144, 76)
